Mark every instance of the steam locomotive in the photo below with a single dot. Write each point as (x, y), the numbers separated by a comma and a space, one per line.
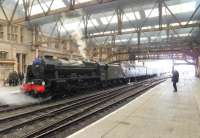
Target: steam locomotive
(51, 77)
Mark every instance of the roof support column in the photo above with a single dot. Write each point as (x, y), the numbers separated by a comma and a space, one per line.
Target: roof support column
(167, 32)
(26, 8)
(1, 6)
(113, 40)
(139, 36)
(119, 20)
(85, 23)
(72, 4)
(160, 13)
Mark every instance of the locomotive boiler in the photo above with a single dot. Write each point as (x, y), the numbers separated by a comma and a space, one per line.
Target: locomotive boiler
(50, 77)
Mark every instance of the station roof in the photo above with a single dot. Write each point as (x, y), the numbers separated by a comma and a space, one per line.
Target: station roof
(108, 21)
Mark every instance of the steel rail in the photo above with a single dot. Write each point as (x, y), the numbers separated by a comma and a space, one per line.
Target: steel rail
(91, 110)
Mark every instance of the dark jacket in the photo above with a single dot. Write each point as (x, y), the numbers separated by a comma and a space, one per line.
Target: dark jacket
(175, 76)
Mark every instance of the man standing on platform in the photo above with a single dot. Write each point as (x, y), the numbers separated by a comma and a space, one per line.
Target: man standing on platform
(175, 78)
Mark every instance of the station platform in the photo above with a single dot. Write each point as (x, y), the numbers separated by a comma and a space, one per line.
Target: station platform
(159, 113)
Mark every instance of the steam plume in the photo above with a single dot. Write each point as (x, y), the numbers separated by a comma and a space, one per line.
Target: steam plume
(77, 35)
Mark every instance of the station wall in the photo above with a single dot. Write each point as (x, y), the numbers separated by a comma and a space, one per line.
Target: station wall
(17, 49)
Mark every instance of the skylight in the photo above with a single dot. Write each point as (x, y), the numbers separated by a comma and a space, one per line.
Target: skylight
(121, 40)
(154, 37)
(92, 23)
(184, 7)
(176, 9)
(109, 19)
(151, 13)
(20, 2)
(36, 9)
(143, 39)
(72, 26)
(131, 16)
(185, 35)
(57, 4)
(174, 24)
(134, 39)
(76, 24)
(137, 15)
(82, 1)
(163, 36)
(126, 17)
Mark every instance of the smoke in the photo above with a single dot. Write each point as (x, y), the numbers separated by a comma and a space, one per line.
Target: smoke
(77, 35)
(15, 97)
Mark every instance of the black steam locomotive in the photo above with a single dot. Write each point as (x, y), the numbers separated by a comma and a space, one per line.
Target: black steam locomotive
(51, 77)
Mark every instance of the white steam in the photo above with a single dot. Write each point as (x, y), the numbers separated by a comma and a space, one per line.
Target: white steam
(14, 97)
(77, 35)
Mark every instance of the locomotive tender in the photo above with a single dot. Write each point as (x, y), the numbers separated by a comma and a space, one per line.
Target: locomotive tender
(51, 77)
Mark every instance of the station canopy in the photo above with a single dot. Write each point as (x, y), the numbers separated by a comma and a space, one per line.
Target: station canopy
(109, 21)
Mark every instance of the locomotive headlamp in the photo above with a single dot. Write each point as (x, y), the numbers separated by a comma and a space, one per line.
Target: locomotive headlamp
(43, 82)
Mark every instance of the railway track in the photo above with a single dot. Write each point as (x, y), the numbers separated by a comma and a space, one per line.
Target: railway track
(3, 106)
(21, 111)
(48, 119)
(7, 109)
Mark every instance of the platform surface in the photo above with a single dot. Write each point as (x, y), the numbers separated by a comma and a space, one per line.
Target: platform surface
(159, 113)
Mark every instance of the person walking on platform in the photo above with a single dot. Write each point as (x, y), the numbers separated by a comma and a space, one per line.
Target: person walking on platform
(175, 79)
(21, 77)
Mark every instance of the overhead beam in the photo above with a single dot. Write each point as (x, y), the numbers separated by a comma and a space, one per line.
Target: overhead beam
(63, 10)
(184, 64)
(175, 44)
(153, 53)
(149, 30)
(120, 58)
